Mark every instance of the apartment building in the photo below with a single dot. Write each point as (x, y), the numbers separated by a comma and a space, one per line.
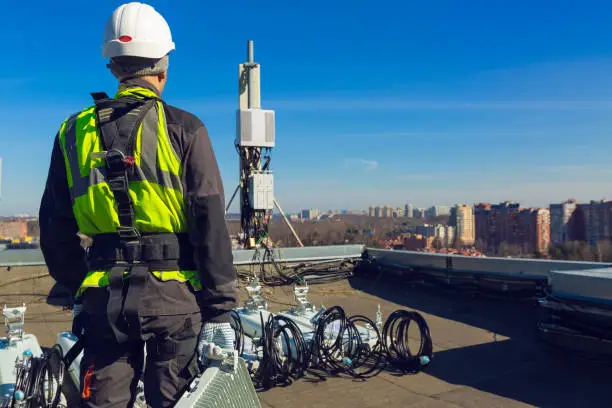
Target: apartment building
(560, 215)
(464, 223)
(534, 230)
(408, 210)
(482, 224)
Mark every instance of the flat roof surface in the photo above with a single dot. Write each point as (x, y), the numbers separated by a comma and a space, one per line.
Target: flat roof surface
(486, 351)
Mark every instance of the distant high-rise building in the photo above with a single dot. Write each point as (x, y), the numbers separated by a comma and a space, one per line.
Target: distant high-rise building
(578, 223)
(387, 211)
(419, 213)
(309, 214)
(560, 215)
(482, 224)
(408, 210)
(504, 224)
(464, 216)
(442, 210)
(452, 220)
(371, 212)
(436, 211)
(599, 221)
(445, 234)
(534, 226)
(377, 211)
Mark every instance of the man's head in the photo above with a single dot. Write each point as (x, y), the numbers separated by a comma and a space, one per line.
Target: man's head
(137, 40)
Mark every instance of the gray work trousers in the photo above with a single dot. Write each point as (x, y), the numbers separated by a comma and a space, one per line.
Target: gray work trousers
(113, 370)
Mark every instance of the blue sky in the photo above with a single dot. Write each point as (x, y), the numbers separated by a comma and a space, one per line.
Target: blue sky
(377, 103)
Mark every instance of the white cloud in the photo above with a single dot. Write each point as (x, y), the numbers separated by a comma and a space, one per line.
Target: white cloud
(361, 163)
(370, 164)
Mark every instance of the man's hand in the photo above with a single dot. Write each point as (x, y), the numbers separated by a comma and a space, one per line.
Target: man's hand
(214, 337)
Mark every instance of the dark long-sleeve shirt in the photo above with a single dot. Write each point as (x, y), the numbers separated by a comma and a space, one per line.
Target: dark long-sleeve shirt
(204, 199)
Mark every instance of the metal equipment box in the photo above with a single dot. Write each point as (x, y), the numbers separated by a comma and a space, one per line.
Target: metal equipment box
(261, 191)
(255, 128)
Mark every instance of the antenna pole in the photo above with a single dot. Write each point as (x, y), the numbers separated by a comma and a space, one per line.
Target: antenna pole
(255, 138)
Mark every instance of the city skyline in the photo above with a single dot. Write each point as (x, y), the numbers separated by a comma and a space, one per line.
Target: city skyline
(490, 102)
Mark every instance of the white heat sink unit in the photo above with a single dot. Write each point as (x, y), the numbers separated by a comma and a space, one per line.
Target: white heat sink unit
(255, 128)
(593, 285)
(224, 384)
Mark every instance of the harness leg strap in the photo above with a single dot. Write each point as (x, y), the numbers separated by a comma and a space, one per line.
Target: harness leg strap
(115, 303)
(137, 283)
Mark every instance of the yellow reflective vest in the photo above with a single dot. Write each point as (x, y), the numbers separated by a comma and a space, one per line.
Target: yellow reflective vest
(156, 190)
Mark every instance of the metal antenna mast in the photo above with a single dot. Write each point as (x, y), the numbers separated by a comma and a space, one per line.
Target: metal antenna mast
(255, 138)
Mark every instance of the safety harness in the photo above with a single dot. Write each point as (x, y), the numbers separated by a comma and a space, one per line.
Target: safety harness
(129, 254)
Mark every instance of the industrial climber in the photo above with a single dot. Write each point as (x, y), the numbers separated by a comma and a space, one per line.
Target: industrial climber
(140, 178)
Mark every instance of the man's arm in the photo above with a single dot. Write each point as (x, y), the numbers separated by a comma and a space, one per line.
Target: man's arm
(59, 242)
(208, 232)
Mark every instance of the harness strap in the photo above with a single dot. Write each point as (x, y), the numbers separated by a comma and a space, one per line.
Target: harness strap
(99, 96)
(74, 352)
(136, 285)
(118, 122)
(115, 303)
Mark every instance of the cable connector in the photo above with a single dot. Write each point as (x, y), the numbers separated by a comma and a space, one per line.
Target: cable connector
(379, 319)
(315, 318)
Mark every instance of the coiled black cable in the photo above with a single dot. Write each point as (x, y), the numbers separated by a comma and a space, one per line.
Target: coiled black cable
(339, 346)
(294, 345)
(369, 360)
(395, 340)
(238, 331)
(34, 385)
(327, 344)
(284, 353)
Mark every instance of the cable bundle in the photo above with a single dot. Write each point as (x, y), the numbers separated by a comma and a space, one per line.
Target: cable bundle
(395, 340)
(285, 354)
(36, 385)
(337, 345)
(318, 273)
(238, 331)
(275, 272)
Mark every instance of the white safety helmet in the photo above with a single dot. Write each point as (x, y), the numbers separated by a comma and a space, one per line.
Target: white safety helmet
(136, 30)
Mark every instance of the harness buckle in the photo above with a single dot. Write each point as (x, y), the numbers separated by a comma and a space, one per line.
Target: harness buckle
(115, 162)
(132, 252)
(128, 233)
(117, 184)
(98, 155)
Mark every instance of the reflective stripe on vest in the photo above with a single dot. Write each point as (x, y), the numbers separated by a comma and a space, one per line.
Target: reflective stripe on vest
(155, 187)
(97, 279)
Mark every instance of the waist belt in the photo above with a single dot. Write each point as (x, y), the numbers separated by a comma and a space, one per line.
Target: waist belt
(159, 251)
